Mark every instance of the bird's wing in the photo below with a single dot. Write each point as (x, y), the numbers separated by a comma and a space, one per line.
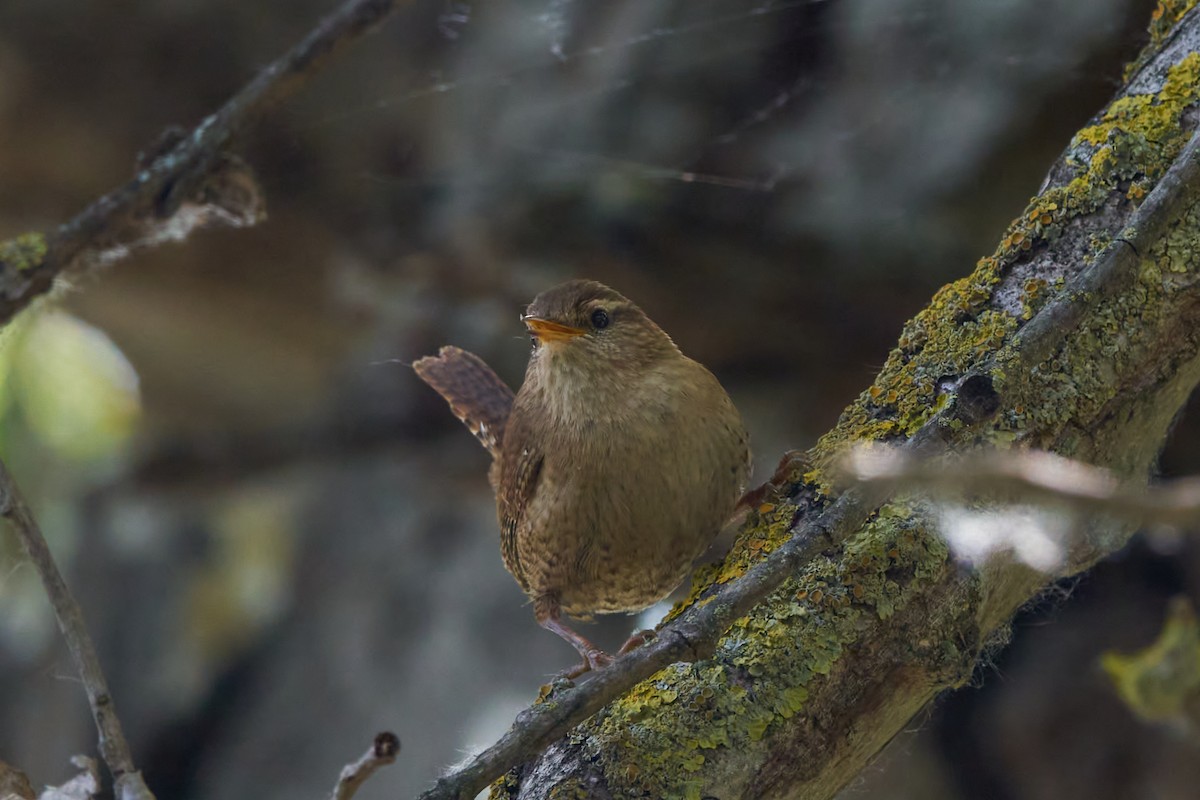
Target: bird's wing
(520, 473)
(475, 393)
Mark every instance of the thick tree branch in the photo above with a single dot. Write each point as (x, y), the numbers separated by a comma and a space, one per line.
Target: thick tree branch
(193, 183)
(1078, 336)
(113, 746)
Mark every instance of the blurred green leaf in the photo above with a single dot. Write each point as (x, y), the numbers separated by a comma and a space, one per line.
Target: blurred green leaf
(1161, 682)
(73, 385)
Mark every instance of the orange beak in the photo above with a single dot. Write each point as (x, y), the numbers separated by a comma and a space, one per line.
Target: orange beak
(550, 331)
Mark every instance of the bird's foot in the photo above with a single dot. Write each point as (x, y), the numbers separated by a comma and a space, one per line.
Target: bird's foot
(592, 660)
(595, 658)
(546, 609)
(793, 464)
(637, 640)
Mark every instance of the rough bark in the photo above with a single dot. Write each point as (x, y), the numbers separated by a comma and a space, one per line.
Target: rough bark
(1079, 336)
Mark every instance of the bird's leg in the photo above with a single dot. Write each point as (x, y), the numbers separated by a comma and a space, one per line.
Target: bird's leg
(793, 464)
(548, 613)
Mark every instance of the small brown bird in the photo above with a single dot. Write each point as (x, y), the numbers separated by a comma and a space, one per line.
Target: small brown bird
(615, 465)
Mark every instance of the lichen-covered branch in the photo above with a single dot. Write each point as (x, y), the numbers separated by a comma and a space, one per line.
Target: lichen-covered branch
(192, 182)
(1078, 336)
(113, 746)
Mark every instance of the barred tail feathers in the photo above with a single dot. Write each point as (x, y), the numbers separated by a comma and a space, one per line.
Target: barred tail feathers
(476, 394)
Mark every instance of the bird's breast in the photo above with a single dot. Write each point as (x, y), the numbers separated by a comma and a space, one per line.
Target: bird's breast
(633, 489)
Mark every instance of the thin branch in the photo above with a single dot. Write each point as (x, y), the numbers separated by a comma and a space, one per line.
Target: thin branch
(113, 746)
(194, 183)
(1031, 476)
(383, 751)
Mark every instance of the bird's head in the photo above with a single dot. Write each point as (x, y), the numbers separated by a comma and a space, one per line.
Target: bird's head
(584, 322)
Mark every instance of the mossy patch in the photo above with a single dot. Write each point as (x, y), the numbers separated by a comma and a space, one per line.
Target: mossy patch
(1162, 21)
(1077, 382)
(23, 252)
(761, 674)
(1125, 152)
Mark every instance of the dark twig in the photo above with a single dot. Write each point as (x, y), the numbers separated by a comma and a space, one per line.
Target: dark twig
(193, 183)
(383, 751)
(113, 747)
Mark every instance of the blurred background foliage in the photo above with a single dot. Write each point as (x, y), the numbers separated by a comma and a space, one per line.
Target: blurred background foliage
(283, 541)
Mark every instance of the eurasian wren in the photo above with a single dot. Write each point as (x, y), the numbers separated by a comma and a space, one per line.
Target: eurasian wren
(614, 466)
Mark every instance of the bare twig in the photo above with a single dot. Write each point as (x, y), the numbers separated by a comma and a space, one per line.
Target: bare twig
(113, 747)
(383, 751)
(1030, 476)
(193, 183)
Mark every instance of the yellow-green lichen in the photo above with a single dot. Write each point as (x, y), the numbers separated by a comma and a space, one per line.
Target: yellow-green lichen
(1135, 140)
(1127, 150)
(950, 336)
(755, 542)
(23, 252)
(767, 528)
(507, 785)
(1032, 297)
(1162, 21)
(766, 663)
(1164, 17)
(1077, 382)
(569, 789)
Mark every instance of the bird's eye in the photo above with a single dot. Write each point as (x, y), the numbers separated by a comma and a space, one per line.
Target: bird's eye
(600, 319)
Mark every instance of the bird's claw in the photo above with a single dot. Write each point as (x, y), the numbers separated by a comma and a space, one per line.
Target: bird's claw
(598, 659)
(637, 640)
(592, 660)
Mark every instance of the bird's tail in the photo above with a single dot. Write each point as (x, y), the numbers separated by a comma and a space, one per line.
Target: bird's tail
(475, 393)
